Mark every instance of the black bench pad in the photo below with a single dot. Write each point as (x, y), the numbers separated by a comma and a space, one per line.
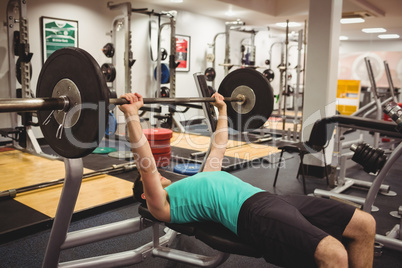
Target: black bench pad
(213, 234)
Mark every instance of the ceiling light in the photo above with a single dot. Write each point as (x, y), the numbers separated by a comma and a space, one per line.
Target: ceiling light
(388, 36)
(230, 13)
(352, 20)
(176, 1)
(342, 37)
(291, 24)
(374, 30)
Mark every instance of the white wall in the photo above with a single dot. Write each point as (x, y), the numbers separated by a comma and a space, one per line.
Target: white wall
(372, 45)
(95, 20)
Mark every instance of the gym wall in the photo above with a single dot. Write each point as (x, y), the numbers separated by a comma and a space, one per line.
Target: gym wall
(95, 20)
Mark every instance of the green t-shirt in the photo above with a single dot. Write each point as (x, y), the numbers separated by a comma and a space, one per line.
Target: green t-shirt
(209, 196)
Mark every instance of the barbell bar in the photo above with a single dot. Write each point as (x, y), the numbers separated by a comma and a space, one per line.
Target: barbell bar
(72, 101)
(62, 103)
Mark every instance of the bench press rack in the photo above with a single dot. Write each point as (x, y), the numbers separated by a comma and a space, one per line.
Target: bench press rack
(213, 234)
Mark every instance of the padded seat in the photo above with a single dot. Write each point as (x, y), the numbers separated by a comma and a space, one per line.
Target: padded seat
(213, 234)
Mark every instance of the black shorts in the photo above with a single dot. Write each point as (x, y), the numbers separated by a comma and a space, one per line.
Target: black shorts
(287, 229)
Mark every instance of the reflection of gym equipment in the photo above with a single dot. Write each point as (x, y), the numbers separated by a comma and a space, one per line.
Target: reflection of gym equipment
(53, 75)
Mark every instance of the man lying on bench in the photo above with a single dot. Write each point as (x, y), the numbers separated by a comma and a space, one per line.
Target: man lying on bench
(291, 231)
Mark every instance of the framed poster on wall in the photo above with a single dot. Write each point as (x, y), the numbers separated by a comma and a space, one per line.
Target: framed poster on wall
(57, 33)
(183, 53)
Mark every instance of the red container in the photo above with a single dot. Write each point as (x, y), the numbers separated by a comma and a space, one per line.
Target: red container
(162, 160)
(158, 134)
(159, 140)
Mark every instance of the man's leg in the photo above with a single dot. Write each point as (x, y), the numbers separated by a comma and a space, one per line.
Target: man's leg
(331, 253)
(360, 235)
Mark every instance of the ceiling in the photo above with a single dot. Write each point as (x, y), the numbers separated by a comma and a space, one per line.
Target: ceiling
(384, 13)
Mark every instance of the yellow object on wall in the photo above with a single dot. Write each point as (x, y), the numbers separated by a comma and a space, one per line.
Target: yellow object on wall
(348, 96)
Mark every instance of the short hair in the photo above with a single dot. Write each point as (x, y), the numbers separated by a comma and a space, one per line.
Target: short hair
(138, 190)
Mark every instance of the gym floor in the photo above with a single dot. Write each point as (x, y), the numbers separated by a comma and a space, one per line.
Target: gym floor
(24, 230)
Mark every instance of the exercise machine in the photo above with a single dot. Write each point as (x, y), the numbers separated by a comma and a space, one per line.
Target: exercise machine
(380, 126)
(64, 108)
(393, 239)
(341, 182)
(23, 137)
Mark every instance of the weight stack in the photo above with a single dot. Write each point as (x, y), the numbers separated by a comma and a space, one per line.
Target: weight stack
(159, 140)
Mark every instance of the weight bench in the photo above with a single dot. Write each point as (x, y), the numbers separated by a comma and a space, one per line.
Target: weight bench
(213, 234)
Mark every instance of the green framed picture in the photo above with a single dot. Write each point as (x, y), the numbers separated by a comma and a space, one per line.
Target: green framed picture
(56, 34)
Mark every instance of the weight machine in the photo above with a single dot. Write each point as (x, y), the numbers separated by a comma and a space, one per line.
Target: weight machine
(211, 57)
(18, 46)
(341, 182)
(393, 239)
(284, 88)
(125, 20)
(380, 126)
(60, 239)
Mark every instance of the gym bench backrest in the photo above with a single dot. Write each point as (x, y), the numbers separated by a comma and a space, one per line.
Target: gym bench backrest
(213, 234)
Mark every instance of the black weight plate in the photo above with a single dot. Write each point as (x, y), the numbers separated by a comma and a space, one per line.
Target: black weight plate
(18, 70)
(109, 72)
(210, 74)
(269, 74)
(81, 68)
(264, 98)
(108, 50)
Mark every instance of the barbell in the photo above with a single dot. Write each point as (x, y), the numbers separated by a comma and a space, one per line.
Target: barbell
(72, 101)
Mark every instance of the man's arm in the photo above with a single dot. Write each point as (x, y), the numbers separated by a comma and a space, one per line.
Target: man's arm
(220, 137)
(153, 190)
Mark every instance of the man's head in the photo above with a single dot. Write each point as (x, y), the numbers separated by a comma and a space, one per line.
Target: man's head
(138, 189)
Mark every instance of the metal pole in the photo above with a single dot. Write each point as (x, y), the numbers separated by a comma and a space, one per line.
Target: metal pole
(30, 104)
(376, 98)
(390, 82)
(36, 104)
(286, 75)
(121, 101)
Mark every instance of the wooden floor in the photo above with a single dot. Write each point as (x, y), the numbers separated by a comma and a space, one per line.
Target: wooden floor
(235, 148)
(19, 169)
